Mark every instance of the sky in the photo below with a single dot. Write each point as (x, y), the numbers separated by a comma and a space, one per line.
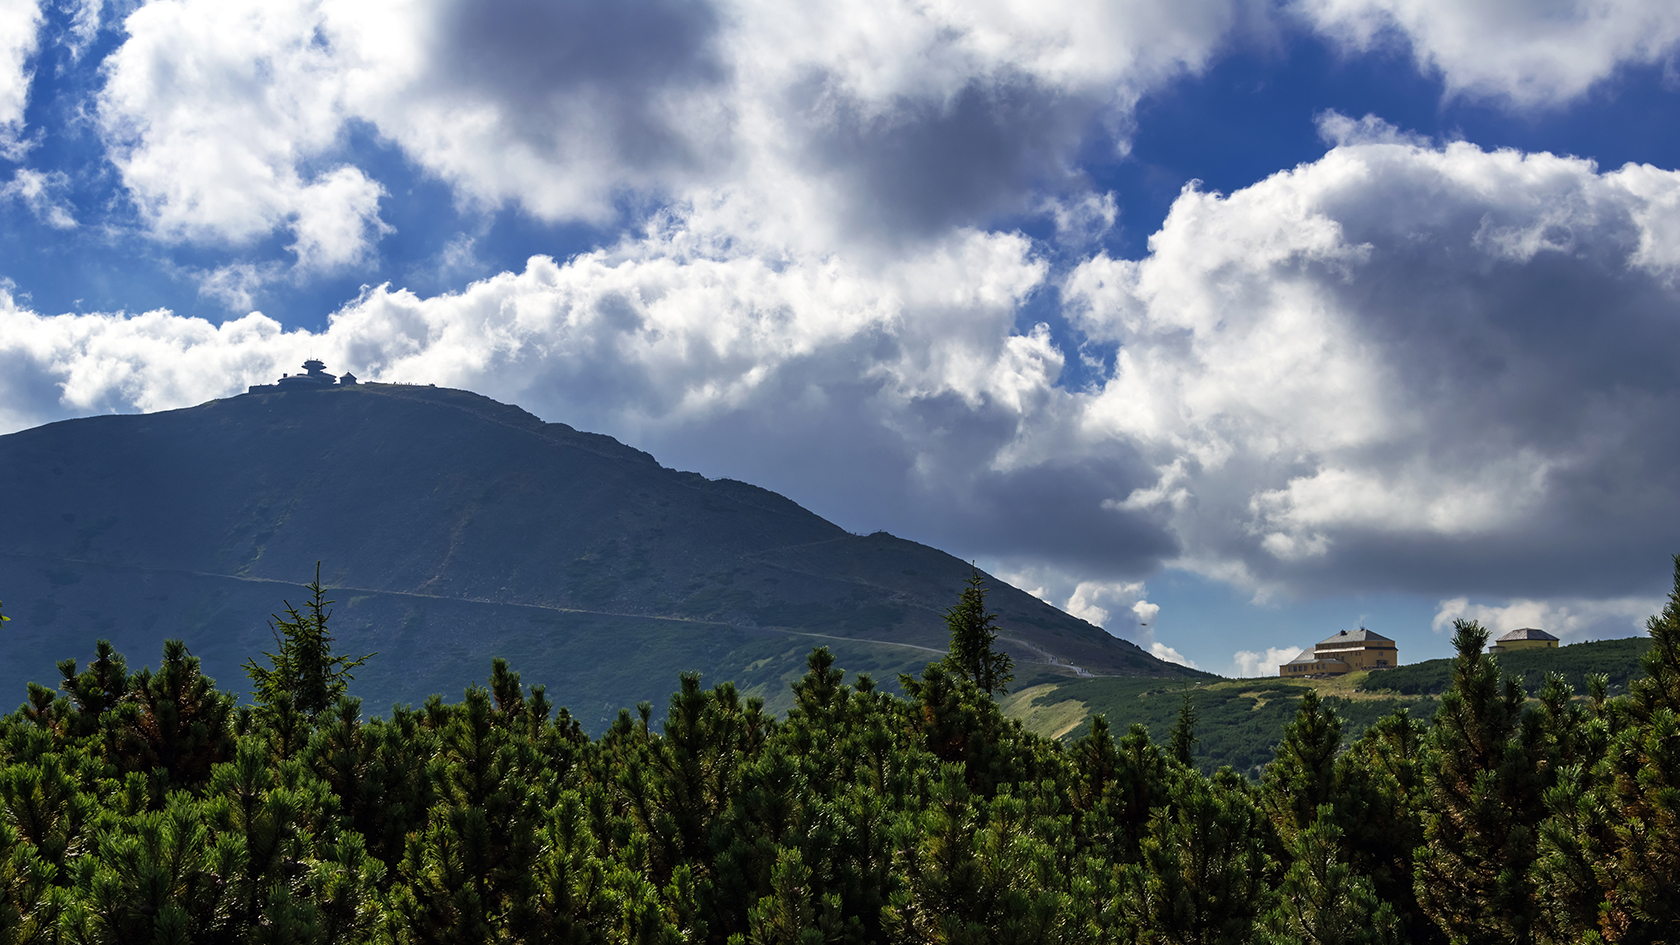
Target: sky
(1224, 324)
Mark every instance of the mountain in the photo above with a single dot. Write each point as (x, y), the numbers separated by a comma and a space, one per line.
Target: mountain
(451, 528)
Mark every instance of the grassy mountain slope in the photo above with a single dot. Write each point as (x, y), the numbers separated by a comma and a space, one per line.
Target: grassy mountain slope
(1241, 720)
(453, 528)
(1617, 659)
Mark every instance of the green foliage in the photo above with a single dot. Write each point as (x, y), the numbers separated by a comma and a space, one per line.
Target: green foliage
(305, 675)
(1480, 817)
(1619, 661)
(1202, 874)
(1238, 723)
(1303, 778)
(143, 807)
(1323, 901)
(973, 652)
(1184, 733)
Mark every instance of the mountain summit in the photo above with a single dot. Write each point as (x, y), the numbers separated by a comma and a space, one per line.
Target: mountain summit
(453, 528)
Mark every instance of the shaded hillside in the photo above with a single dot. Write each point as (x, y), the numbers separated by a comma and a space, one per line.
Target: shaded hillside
(453, 528)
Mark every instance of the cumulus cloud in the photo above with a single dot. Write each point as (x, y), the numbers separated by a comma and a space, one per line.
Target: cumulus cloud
(1251, 664)
(79, 364)
(1530, 54)
(1399, 367)
(888, 119)
(835, 371)
(217, 115)
(1116, 606)
(1404, 367)
(1163, 652)
(1566, 619)
(20, 25)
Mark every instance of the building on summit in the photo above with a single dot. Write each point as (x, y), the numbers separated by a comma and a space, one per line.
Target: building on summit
(1346, 652)
(1527, 638)
(315, 379)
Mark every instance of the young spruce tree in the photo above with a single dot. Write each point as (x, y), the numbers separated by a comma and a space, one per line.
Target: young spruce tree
(305, 669)
(974, 653)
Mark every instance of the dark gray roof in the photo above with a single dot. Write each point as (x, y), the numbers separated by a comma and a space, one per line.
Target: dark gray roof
(1307, 656)
(1526, 633)
(1361, 635)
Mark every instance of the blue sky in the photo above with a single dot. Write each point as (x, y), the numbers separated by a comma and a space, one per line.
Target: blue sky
(1226, 324)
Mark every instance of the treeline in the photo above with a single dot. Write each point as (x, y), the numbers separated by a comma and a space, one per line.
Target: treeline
(149, 807)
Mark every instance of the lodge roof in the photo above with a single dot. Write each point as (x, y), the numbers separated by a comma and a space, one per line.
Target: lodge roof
(1526, 633)
(1307, 656)
(1361, 635)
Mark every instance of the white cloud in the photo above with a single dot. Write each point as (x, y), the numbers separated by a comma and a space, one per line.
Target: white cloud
(216, 113)
(236, 285)
(1082, 220)
(1250, 664)
(337, 219)
(791, 125)
(1567, 619)
(1096, 602)
(1337, 129)
(85, 19)
(20, 25)
(642, 341)
(43, 193)
(1531, 54)
(79, 364)
(1116, 606)
(1401, 367)
(1163, 652)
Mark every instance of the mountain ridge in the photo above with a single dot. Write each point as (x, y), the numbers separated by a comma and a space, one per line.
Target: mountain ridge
(423, 502)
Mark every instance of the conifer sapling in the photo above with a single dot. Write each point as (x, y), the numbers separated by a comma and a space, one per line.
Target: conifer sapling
(306, 667)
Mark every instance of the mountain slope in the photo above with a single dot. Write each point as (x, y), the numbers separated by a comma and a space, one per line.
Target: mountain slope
(453, 528)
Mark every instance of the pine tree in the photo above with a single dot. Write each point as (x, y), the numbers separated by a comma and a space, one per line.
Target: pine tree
(1484, 804)
(1096, 766)
(175, 723)
(1322, 900)
(1201, 879)
(95, 690)
(1659, 688)
(1184, 733)
(793, 913)
(1611, 847)
(1303, 776)
(30, 905)
(1380, 786)
(973, 652)
(42, 800)
(306, 666)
